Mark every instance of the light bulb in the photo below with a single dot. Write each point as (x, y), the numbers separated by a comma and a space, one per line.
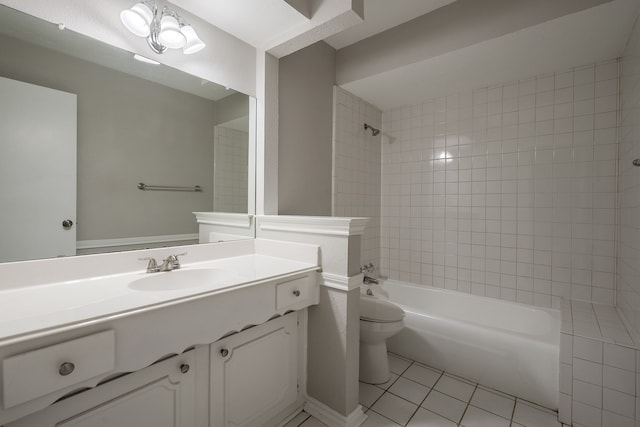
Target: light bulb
(170, 34)
(194, 44)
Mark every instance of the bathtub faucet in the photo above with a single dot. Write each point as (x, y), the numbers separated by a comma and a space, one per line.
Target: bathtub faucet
(370, 281)
(369, 269)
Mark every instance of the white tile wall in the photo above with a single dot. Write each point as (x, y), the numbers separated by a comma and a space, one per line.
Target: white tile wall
(628, 285)
(230, 177)
(600, 323)
(356, 167)
(598, 367)
(604, 392)
(507, 191)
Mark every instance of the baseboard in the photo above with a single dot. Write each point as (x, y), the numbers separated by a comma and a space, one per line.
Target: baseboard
(331, 418)
(132, 241)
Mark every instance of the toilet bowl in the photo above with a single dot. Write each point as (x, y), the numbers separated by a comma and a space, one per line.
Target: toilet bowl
(379, 320)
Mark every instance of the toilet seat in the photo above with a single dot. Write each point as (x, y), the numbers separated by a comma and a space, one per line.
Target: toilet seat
(377, 310)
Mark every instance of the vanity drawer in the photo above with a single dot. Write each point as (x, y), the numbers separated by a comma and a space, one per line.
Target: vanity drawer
(36, 373)
(294, 291)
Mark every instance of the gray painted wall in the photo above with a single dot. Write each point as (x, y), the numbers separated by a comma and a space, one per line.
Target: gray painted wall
(129, 131)
(334, 349)
(305, 131)
(231, 107)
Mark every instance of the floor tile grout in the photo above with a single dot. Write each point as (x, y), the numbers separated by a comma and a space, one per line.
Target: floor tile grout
(423, 399)
(466, 408)
(400, 374)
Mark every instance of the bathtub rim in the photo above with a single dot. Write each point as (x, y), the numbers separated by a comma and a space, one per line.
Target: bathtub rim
(553, 311)
(552, 336)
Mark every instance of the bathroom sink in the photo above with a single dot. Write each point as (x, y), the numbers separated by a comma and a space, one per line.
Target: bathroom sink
(185, 279)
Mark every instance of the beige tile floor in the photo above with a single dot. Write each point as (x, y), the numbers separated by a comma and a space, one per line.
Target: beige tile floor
(418, 395)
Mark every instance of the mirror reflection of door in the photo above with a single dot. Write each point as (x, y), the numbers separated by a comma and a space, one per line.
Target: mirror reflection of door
(38, 128)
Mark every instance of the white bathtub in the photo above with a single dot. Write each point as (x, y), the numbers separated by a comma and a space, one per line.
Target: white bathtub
(507, 346)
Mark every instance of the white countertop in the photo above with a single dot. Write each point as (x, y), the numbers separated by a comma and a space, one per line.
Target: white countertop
(39, 308)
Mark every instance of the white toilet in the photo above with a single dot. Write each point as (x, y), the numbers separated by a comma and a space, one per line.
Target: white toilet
(379, 320)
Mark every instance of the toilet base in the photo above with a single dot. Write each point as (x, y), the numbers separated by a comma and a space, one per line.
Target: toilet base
(374, 363)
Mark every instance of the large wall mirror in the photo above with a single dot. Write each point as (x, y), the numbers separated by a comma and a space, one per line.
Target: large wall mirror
(135, 123)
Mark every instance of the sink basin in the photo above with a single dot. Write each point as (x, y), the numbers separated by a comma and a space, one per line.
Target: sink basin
(185, 279)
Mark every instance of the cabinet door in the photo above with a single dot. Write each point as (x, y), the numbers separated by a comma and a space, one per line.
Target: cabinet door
(254, 374)
(161, 395)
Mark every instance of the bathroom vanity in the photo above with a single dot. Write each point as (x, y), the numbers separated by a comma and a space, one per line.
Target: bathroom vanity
(218, 342)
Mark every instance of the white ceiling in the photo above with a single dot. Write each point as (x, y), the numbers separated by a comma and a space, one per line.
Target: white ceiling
(253, 21)
(380, 15)
(585, 37)
(582, 38)
(258, 22)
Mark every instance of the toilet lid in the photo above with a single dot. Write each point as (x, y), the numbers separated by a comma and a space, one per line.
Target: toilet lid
(378, 310)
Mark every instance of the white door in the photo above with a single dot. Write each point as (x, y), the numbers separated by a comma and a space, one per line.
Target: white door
(38, 132)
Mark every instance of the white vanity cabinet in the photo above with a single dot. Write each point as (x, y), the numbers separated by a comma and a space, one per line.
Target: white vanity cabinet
(161, 395)
(254, 374)
(243, 296)
(252, 378)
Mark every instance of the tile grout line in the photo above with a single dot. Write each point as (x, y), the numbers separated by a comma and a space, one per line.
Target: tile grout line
(425, 398)
(305, 420)
(466, 408)
(419, 405)
(400, 376)
(386, 418)
(386, 390)
(513, 411)
(440, 375)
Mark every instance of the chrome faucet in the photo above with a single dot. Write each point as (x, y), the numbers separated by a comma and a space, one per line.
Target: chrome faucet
(369, 269)
(168, 264)
(370, 281)
(152, 266)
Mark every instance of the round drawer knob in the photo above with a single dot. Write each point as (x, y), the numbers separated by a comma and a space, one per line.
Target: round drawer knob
(224, 352)
(296, 293)
(66, 368)
(184, 368)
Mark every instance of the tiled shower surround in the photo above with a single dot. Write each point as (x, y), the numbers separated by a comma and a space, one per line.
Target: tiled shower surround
(508, 191)
(356, 167)
(524, 191)
(628, 285)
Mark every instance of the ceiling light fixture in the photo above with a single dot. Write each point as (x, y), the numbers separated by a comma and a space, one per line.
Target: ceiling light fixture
(164, 29)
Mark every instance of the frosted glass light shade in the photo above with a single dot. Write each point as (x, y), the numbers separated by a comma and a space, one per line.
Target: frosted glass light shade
(194, 44)
(170, 34)
(137, 19)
